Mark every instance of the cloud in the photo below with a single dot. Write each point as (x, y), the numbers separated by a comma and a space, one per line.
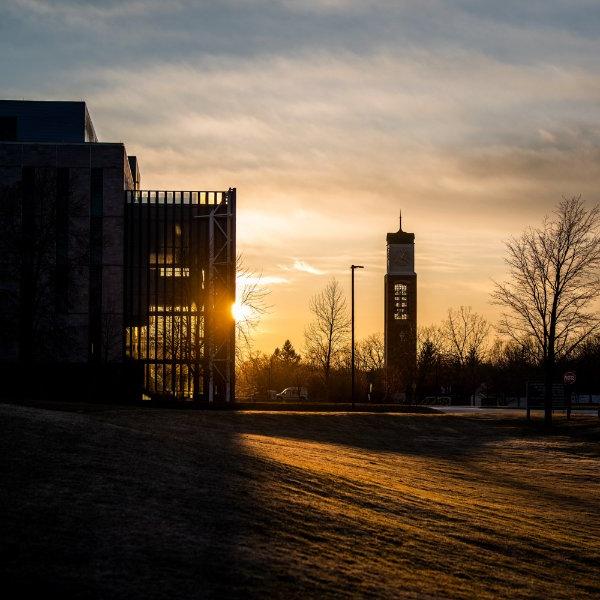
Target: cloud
(79, 12)
(454, 141)
(303, 267)
(330, 115)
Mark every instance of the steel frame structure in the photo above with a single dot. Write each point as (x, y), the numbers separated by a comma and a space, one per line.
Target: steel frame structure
(179, 289)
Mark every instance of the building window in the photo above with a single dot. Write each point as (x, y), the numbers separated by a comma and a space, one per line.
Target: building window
(400, 301)
(174, 271)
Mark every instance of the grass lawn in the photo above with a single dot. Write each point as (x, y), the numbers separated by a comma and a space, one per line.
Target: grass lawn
(145, 503)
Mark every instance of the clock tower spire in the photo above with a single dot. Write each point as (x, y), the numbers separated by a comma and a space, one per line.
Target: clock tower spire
(400, 314)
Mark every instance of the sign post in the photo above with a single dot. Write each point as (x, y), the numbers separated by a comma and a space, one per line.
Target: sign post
(535, 392)
(569, 379)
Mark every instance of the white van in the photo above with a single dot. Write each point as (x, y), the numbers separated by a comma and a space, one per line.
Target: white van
(292, 394)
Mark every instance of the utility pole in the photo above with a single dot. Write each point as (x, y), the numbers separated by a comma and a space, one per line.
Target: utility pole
(352, 268)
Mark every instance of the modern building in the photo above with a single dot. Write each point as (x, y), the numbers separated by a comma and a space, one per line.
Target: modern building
(400, 314)
(107, 289)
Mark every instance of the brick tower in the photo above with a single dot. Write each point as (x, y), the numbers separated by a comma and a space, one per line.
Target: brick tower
(400, 315)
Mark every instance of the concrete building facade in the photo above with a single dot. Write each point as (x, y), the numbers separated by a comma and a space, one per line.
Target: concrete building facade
(69, 206)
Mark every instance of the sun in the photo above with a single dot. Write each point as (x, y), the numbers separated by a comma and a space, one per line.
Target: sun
(241, 312)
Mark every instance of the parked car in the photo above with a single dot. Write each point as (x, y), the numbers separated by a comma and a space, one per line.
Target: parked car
(293, 394)
(438, 400)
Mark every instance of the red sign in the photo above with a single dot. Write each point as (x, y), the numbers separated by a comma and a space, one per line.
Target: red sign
(569, 378)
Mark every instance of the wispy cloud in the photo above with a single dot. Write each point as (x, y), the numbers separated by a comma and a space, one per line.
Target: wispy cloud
(104, 9)
(302, 266)
(453, 140)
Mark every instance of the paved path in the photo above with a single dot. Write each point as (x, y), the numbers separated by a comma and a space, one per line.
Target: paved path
(512, 412)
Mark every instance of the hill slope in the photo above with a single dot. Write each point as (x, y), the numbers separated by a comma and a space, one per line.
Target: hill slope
(128, 503)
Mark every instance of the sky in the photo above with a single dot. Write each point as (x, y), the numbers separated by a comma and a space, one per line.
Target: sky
(329, 116)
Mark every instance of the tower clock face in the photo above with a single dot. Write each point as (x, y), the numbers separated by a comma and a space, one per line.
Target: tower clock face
(400, 259)
(403, 257)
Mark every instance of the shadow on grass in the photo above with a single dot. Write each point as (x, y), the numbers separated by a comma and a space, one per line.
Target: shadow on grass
(347, 522)
(452, 439)
(134, 508)
(446, 437)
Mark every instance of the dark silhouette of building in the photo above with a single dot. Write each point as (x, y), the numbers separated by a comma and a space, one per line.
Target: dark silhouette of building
(400, 314)
(106, 289)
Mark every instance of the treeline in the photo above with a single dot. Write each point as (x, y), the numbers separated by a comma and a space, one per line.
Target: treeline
(550, 323)
(458, 361)
(463, 361)
(260, 374)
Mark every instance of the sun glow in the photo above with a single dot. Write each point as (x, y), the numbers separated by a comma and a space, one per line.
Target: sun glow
(241, 312)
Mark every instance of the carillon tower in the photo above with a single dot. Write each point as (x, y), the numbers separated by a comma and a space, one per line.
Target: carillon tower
(400, 315)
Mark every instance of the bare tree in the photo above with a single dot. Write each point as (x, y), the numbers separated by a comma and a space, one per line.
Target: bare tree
(370, 353)
(252, 302)
(177, 334)
(370, 365)
(464, 337)
(429, 358)
(328, 333)
(554, 280)
(430, 340)
(465, 333)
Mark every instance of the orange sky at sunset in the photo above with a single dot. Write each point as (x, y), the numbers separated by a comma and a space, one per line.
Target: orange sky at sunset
(329, 117)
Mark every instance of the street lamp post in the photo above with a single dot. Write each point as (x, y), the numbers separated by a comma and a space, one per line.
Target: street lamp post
(352, 268)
